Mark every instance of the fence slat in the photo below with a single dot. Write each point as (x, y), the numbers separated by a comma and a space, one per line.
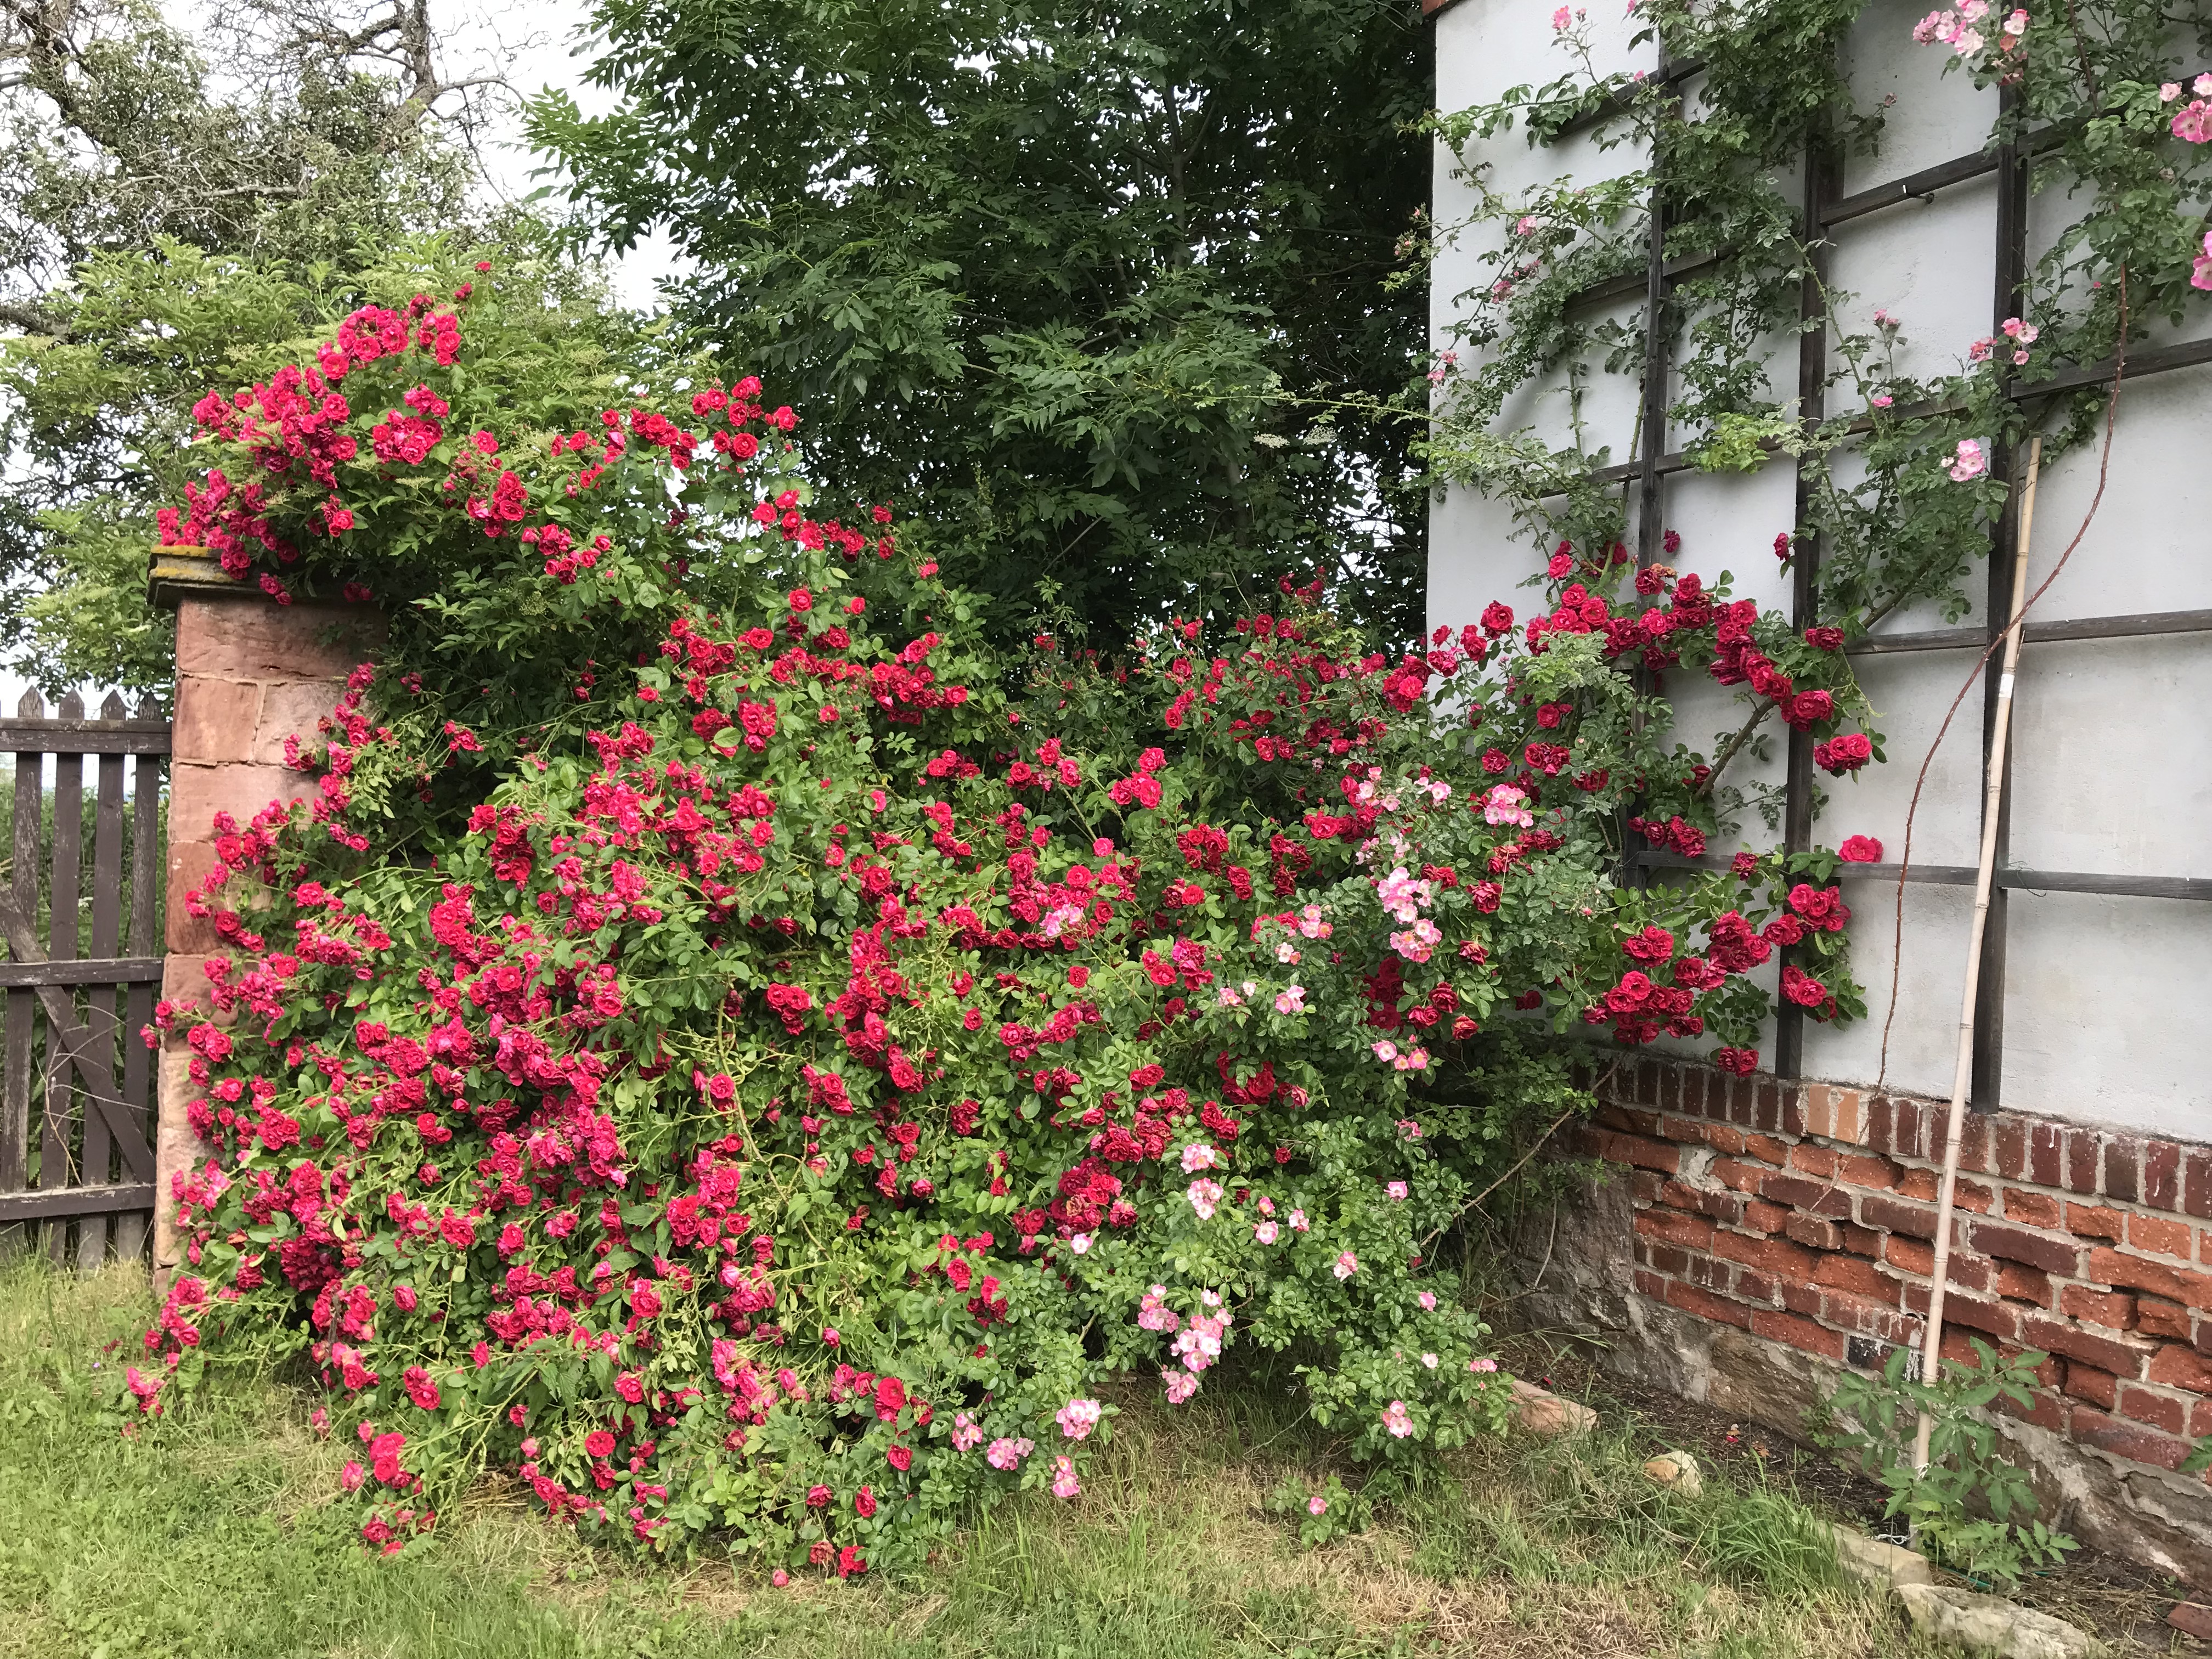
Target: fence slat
(146, 852)
(22, 1006)
(58, 1162)
(92, 1230)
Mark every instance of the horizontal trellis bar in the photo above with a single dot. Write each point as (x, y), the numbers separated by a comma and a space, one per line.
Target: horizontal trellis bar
(1911, 187)
(2142, 625)
(89, 970)
(1917, 187)
(1931, 639)
(2192, 354)
(2189, 354)
(1629, 283)
(1962, 875)
(2198, 887)
(1665, 466)
(1670, 72)
(57, 1202)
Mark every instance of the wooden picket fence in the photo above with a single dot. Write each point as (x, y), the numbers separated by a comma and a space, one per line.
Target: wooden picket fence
(80, 978)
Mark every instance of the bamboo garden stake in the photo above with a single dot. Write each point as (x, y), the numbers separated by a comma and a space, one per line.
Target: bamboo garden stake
(1962, 1076)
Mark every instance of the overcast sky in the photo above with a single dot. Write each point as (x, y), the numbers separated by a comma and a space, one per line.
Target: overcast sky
(536, 46)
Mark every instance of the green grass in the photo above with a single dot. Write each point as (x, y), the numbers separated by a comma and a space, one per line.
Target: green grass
(217, 1535)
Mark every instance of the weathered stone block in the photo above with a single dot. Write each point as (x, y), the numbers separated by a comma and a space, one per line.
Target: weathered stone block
(1989, 1624)
(215, 719)
(1884, 1566)
(249, 639)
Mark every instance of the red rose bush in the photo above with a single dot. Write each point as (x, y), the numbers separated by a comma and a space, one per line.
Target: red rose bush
(773, 1102)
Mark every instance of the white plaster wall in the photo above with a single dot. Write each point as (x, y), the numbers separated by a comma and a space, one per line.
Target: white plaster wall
(1482, 49)
(2113, 739)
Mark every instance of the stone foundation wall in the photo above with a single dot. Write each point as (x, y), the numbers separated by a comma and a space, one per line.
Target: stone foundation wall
(1756, 1235)
(250, 673)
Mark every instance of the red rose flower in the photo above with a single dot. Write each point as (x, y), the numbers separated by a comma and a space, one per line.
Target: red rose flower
(1801, 988)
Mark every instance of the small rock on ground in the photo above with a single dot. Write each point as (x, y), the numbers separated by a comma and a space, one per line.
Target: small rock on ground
(1678, 1470)
(1541, 1412)
(1883, 1565)
(1989, 1624)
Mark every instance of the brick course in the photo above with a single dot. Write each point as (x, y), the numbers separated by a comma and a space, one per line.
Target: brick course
(1804, 1213)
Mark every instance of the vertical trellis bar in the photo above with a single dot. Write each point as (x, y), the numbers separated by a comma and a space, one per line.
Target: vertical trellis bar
(1651, 428)
(1805, 555)
(1650, 513)
(2012, 177)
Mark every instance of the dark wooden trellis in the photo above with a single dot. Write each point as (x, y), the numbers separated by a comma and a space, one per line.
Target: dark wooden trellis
(1823, 213)
(80, 1169)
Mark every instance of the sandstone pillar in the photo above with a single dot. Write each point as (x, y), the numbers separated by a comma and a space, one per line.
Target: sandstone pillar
(250, 673)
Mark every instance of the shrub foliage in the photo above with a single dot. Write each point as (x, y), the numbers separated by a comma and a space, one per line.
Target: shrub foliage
(724, 1048)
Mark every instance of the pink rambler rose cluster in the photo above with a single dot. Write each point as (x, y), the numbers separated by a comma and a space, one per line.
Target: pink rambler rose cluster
(1415, 1059)
(1007, 1454)
(1078, 1418)
(1957, 30)
(2022, 334)
(1198, 1345)
(1504, 805)
(2192, 124)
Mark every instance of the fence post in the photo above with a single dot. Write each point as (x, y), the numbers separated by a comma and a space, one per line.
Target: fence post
(250, 673)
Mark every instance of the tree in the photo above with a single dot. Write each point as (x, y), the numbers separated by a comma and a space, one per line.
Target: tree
(166, 229)
(1102, 293)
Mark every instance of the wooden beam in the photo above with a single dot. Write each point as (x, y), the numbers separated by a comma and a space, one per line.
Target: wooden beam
(57, 1203)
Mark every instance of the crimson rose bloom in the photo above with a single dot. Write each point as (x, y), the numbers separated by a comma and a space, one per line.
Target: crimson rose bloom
(1801, 988)
(1845, 754)
(1822, 908)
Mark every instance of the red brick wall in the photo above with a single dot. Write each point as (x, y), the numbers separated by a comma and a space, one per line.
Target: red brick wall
(1804, 1213)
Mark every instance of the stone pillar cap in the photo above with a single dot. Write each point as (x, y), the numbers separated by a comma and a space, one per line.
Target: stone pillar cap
(177, 574)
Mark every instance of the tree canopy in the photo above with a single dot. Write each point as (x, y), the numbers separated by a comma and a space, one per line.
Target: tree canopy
(1102, 293)
(178, 209)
